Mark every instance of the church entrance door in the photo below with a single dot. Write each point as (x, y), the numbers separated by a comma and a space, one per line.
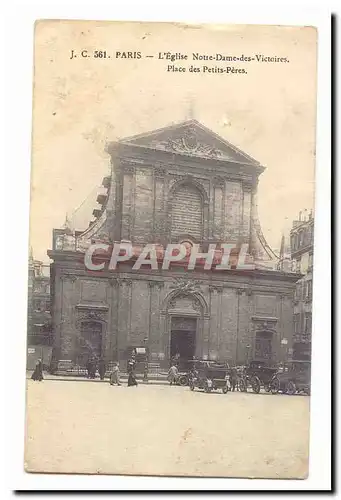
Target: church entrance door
(263, 346)
(183, 340)
(90, 342)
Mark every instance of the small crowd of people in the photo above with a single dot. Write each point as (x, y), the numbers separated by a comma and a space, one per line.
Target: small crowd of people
(93, 365)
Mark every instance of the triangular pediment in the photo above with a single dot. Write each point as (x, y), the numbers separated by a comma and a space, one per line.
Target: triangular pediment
(190, 138)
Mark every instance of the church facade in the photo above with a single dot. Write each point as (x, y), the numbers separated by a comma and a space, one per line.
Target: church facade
(180, 184)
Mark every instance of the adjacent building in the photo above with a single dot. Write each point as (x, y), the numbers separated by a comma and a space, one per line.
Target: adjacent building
(39, 328)
(302, 249)
(179, 184)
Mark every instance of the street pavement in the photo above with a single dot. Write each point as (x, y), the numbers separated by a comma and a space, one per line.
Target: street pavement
(162, 430)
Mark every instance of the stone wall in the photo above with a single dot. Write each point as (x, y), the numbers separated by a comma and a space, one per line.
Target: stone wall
(137, 310)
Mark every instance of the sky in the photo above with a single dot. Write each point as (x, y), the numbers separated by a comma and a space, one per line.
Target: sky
(80, 104)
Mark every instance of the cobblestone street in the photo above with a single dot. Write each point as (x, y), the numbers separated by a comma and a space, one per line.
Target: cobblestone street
(84, 427)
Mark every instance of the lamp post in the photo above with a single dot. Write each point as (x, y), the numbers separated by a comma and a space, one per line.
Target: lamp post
(284, 343)
(247, 347)
(145, 371)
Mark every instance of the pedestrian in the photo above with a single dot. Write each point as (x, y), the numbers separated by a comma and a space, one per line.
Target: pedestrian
(132, 379)
(38, 371)
(88, 367)
(233, 379)
(115, 375)
(145, 372)
(173, 374)
(131, 364)
(101, 368)
(93, 368)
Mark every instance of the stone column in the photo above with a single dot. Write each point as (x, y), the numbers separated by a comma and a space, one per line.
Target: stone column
(245, 329)
(159, 226)
(112, 344)
(154, 337)
(218, 217)
(124, 316)
(205, 336)
(164, 337)
(246, 213)
(127, 202)
(215, 298)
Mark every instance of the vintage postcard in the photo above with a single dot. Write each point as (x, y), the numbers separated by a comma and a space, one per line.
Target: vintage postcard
(171, 249)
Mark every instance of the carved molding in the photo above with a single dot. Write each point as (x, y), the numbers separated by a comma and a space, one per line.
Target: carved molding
(186, 285)
(188, 143)
(69, 277)
(160, 171)
(219, 182)
(126, 281)
(247, 185)
(216, 288)
(194, 301)
(128, 168)
(155, 284)
(89, 314)
(265, 324)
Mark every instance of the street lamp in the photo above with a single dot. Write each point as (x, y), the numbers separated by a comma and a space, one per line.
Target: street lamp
(145, 371)
(247, 347)
(284, 343)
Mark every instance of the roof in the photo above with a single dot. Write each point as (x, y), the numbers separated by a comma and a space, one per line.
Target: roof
(192, 138)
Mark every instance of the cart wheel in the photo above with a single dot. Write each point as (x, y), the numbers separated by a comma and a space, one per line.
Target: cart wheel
(274, 385)
(242, 385)
(255, 384)
(225, 389)
(183, 380)
(291, 388)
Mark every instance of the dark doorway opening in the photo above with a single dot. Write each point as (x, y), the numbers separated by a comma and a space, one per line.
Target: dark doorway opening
(263, 346)
(90, 342)
(183, 341)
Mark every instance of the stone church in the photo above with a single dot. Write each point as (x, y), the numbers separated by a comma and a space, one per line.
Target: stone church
(178, 184)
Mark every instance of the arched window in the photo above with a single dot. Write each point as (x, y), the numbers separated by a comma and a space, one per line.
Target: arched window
(187, 212)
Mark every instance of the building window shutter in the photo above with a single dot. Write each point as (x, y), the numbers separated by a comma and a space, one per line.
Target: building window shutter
(187, 212)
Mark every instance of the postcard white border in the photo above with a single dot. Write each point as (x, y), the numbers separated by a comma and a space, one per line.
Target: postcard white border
(18, 53)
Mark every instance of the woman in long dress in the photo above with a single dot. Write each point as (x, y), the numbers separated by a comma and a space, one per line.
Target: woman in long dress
(131, 379)
(38, 371)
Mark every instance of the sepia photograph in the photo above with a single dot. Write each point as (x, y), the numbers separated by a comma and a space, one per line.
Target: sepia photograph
(171, 257)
